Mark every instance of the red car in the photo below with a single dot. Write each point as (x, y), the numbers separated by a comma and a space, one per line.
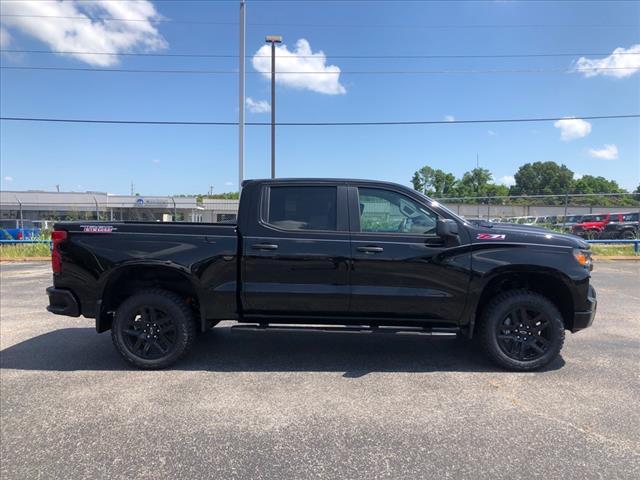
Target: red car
(593, 224)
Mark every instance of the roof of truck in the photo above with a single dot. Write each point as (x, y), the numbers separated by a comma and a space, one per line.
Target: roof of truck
(321, 180)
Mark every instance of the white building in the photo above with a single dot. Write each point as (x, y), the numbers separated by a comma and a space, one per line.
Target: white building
(40, 205)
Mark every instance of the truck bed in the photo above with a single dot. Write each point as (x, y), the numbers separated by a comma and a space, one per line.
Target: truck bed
(98, 255)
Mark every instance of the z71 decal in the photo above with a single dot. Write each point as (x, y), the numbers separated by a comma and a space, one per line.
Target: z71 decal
(491, 236)
(97, 228)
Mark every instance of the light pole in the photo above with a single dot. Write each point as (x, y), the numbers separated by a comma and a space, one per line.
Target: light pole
(273, 39)
(241, 107)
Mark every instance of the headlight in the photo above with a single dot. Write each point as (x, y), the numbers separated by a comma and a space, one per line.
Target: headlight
(583, 257)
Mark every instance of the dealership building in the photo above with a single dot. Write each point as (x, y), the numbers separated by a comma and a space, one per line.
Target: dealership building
(46, 206)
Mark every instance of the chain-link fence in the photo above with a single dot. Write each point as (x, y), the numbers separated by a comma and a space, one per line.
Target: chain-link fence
(41, 209)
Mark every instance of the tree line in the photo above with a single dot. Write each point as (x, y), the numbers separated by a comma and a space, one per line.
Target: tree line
(538, 178)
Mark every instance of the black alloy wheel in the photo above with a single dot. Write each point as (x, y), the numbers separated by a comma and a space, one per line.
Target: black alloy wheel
(521, 330)
(150, 333)
(153, 329)
(523, 334)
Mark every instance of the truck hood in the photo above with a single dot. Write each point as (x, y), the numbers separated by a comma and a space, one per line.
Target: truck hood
(504, 232)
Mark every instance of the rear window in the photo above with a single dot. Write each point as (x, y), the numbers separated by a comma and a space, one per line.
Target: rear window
(630, 217)
(303, 207)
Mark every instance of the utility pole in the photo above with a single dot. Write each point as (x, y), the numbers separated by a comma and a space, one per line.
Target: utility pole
(273, 39)
(478, 183)
(132, 188)
(241, 59)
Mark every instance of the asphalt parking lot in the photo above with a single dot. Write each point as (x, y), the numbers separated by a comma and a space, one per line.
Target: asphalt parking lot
(315, 405)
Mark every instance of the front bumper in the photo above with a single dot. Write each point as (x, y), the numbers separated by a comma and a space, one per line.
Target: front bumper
(63, 302)
(584, 319)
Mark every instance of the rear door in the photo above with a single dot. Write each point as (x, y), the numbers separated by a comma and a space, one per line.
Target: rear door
(296, 256)
(401, 268)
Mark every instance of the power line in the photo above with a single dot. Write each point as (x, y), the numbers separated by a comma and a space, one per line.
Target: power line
(322, 25)
(349, 72)
(231, 55)
(112, 19)
(314, 124)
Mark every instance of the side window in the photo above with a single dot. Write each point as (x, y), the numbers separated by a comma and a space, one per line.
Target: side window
(391, 212)
(303, 207)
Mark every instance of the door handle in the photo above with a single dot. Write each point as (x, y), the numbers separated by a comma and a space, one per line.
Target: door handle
(264, 246)
(370, 249)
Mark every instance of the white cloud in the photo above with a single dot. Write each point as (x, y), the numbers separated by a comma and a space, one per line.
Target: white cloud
(5, 37)
(608, 152)
(228, 184)
(624, 65)
(491, 133)
(578, 176)
(155, 161)
(449, 118)
(508, 180)
(321, 78)
(72, 34)
(572, 128)
(258, 106)
(8, 179)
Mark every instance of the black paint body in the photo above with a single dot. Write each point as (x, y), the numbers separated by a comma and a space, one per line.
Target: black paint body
(256, 272)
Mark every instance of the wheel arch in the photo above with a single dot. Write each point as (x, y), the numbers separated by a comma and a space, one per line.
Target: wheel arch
(128, 279)
(548, 282)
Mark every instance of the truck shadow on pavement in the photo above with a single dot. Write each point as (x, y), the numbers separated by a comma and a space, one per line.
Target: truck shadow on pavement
(224, 350)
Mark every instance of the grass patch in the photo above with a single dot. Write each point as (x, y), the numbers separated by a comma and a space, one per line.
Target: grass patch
(612, 250)
(27, 250)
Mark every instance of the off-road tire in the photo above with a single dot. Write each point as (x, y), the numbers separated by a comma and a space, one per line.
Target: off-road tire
(175, 311)
(492, 326)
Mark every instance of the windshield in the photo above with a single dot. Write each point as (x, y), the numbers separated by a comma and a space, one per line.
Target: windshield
(436, 204)
(593, 218)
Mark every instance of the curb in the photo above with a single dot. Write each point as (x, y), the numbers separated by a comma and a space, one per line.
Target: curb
(24, 259)
(615, 258)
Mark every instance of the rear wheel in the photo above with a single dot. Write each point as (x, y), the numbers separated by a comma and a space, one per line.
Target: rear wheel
(521, 330)
(153, 329)
(628, 234)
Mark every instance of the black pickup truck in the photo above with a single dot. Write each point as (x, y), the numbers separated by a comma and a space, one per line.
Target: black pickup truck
(327, 254)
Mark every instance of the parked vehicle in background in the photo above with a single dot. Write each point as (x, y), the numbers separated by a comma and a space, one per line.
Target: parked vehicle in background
(625, 228)
(347, 254)
(16, 229)
(592, 225)
(568, 222)
(526, 220)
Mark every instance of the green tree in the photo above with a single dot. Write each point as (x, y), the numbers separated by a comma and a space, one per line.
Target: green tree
(542, 178)
(591, 184)
(434, 182)
(474, 183)
(496, 190)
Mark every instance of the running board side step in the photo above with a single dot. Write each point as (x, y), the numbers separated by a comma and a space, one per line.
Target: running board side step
(349, 329)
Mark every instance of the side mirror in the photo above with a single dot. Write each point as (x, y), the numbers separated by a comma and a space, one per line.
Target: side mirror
(447, 227)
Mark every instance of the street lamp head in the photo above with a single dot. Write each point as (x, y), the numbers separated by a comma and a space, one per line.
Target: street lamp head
(273, 39)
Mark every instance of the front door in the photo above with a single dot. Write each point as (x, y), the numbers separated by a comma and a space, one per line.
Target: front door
(401, 268)
(296, 261)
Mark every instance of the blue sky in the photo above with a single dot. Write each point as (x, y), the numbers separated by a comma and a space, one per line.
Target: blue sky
(190, 159)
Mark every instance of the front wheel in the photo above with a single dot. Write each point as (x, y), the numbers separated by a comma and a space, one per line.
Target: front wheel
(153, 329)
(521, 330)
